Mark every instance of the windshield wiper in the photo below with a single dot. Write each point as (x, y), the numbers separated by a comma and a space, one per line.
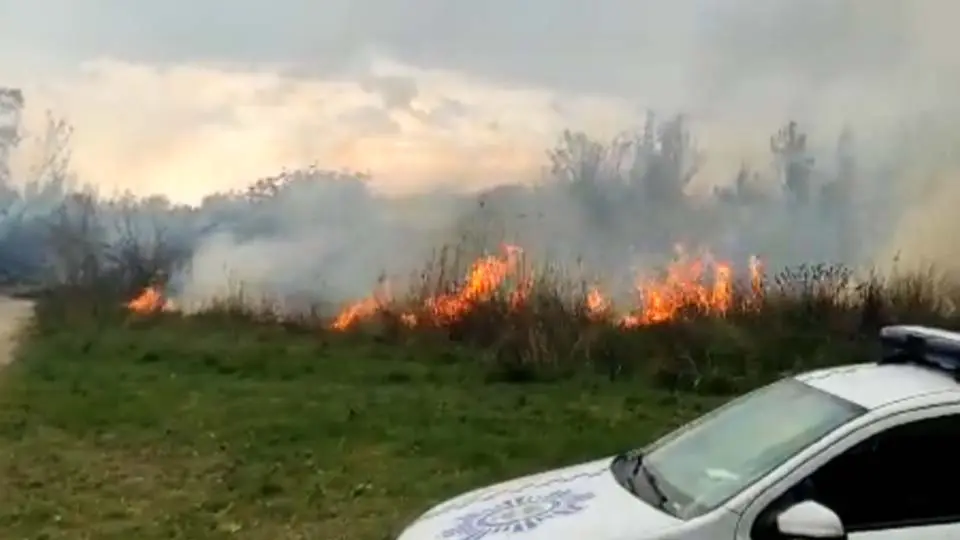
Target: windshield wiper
(654, 484)
(626, 457)
(639, 468)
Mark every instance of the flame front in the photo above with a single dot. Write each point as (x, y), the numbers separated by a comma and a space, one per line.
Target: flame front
(684, 288)
(687, 286)
(699, 284)
(485, 277)
(363, 309)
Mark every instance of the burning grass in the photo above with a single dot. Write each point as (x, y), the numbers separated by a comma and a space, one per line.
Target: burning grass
(702, 322)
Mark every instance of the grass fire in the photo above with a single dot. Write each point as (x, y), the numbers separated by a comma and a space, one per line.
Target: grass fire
(691, 284)
(311, 355)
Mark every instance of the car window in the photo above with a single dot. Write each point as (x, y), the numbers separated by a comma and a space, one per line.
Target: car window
(701, 467)
(905, 476)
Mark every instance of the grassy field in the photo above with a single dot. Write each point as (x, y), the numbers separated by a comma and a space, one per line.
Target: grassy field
(240, 424)
(192, 428)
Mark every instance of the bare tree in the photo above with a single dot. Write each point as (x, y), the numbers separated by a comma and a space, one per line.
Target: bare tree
(141, 251)
(671, 163)
(75, 243)
(789, 147)
(11, 110)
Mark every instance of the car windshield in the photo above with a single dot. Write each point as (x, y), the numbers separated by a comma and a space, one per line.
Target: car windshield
(702, 465)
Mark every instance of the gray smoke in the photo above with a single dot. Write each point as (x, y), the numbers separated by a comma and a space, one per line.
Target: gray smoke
(865, 173)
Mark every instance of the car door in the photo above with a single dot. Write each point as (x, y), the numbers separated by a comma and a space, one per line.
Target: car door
(895, 479)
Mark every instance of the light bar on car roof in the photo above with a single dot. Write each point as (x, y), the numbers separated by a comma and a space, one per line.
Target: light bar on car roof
(922, 345)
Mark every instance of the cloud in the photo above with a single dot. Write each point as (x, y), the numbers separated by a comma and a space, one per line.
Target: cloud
(370, 121)
(625, 47)
(396, 92)
(188, 98)
(188, 129)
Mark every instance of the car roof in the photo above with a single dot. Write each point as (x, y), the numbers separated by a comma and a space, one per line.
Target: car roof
(875, 385)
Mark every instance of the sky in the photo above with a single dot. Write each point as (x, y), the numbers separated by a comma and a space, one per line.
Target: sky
(185, 98)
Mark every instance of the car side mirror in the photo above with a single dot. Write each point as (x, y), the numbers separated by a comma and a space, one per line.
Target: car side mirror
(812, 520)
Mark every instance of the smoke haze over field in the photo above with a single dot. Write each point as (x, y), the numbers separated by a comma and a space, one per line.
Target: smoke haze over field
(426, 95)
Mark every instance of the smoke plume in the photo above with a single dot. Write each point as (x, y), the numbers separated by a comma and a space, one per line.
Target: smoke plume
(310, 164)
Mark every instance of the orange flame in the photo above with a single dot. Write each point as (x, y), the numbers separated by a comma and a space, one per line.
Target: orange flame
(596, 305)
(486, 275)
(683, 288)
(699, 283)
(151, 300)
(363, 309)
(687, 285)
(355, 312)
(756, 277)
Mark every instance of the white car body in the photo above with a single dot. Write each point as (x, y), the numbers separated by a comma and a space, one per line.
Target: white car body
(592, 501)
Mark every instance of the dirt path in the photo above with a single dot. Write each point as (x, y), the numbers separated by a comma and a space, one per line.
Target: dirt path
(14, 312)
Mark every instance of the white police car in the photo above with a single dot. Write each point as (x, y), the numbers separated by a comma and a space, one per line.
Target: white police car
(864, 452)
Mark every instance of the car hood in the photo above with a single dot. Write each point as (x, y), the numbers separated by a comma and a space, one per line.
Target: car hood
(583, 501)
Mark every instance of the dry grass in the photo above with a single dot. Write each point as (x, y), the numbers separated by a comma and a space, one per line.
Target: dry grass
(807, 316)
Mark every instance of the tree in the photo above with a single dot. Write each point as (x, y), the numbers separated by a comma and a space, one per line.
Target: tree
(836, 197)
(673, 164)
(591, 169)
(789, 147)
(11, 110)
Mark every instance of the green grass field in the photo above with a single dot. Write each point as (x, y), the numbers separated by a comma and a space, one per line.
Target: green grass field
(180, 428)
(239, 424)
